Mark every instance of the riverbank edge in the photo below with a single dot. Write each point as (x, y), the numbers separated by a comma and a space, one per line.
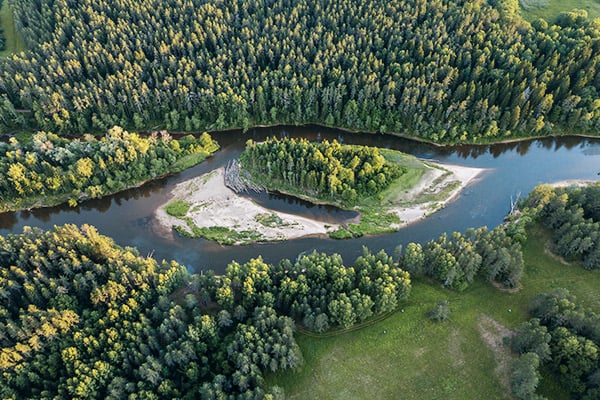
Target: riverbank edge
(395, 134)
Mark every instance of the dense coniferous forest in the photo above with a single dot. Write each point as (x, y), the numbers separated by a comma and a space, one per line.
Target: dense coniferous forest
(328, 171)
(50, 170)
(448, 70)
(573, 216)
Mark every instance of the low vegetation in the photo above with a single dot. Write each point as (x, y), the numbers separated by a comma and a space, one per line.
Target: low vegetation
(51, 170)
(177, 208)
(550, 10)
(270, 220)
(219, 234)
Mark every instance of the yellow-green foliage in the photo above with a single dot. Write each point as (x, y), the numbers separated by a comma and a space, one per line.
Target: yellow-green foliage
(50, 170)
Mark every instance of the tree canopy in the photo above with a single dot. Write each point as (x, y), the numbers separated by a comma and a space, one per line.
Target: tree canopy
(324, 170)
(50, 170)
(446, 70)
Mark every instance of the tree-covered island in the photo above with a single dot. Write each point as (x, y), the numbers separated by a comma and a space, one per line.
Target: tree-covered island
(387, 189)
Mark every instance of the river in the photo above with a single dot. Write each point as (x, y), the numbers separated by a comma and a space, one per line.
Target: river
(512, 169)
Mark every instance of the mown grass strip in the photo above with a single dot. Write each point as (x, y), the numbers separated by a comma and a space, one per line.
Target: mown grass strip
(14, 40)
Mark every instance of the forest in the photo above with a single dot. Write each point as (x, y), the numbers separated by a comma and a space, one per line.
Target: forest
(324, 170)
(83, 318)
(562, 335)
(445, 70)
(50, 170)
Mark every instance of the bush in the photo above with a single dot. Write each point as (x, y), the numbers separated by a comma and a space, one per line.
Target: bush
(178, 208)
(441, 312)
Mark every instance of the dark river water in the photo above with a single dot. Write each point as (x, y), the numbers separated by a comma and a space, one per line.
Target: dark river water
(510, 169)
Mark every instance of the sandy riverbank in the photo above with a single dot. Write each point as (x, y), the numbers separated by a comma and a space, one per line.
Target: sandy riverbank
(212, 204)
(449, 179)
(574, 182)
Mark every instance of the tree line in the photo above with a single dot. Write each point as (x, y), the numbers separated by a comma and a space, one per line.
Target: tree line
(456, 260)
(318, 289)
(445, 70)
(324, 170)
(49, 170)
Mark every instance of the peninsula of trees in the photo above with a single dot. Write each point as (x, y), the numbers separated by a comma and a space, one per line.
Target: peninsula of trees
(446, 71)
(51, 170)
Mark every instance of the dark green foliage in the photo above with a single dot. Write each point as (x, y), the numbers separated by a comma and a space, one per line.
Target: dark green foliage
(531, 337)
(441, 311)
(318, 289)
(501, 255)
(327, 171)
(51, 170)
(83, 318)
(567, 337)
(449, 70)
(455, 261)
(525, 377)
(572, 215)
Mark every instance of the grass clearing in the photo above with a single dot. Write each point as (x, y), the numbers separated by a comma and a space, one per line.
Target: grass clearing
(549, 9)
(270, 220)
(219, 234)
(420, 359)
(14, 40)
(177, 208)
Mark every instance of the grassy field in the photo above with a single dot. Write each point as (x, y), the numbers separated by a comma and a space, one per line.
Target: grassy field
(14, 41)
(549, 9)
(407, 356)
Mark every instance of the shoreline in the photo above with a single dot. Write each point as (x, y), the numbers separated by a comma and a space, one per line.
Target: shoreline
(573, 182)
(458, 173)
(397, 134)
(213, 205)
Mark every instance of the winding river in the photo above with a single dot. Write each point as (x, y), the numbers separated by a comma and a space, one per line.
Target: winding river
(512, 169)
